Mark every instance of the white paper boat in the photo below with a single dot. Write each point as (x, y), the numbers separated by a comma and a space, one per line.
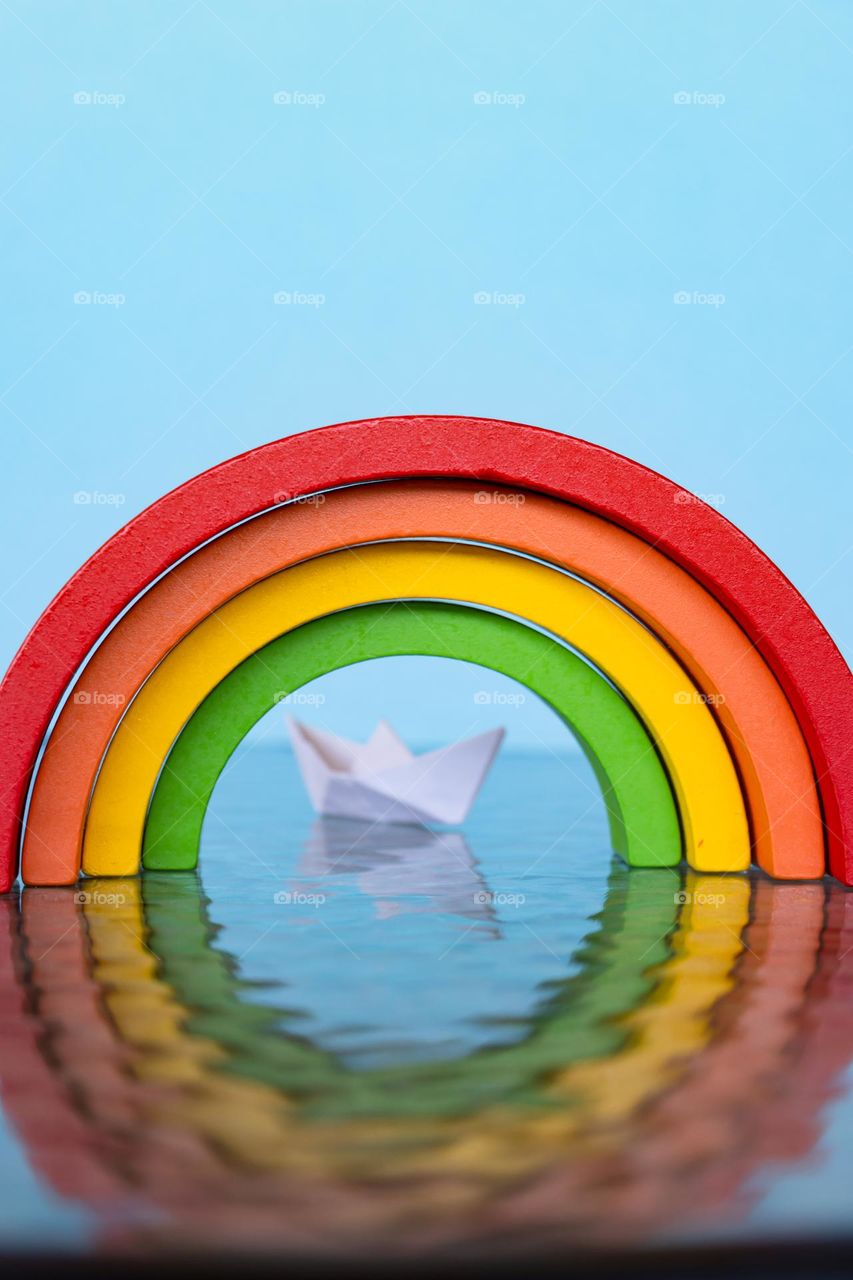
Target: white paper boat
(382, 781)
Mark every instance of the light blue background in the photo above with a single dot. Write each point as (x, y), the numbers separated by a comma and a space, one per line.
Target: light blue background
(397, 198)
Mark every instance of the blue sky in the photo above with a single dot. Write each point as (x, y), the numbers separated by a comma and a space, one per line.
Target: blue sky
(588, 161)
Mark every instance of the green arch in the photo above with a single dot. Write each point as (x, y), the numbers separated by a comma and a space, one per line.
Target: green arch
(644, 824)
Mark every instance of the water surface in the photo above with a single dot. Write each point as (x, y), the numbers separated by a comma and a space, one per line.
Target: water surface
(335, 1039)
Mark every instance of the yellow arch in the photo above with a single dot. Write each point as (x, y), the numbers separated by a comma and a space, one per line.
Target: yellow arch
(705, 782)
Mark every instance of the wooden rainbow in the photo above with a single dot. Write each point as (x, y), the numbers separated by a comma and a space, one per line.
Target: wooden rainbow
(732, 665)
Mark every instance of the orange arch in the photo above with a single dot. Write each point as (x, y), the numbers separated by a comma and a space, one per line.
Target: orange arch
(759, 725)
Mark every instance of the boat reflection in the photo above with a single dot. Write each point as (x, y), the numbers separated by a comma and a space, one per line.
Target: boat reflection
(403, 867)
(696, 1043)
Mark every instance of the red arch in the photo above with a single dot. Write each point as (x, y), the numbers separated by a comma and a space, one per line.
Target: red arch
(772, 612)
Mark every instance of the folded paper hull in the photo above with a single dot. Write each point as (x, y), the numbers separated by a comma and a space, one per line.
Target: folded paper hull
(382, 781)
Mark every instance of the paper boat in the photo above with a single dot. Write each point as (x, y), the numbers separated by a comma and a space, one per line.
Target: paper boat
(382, 781)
